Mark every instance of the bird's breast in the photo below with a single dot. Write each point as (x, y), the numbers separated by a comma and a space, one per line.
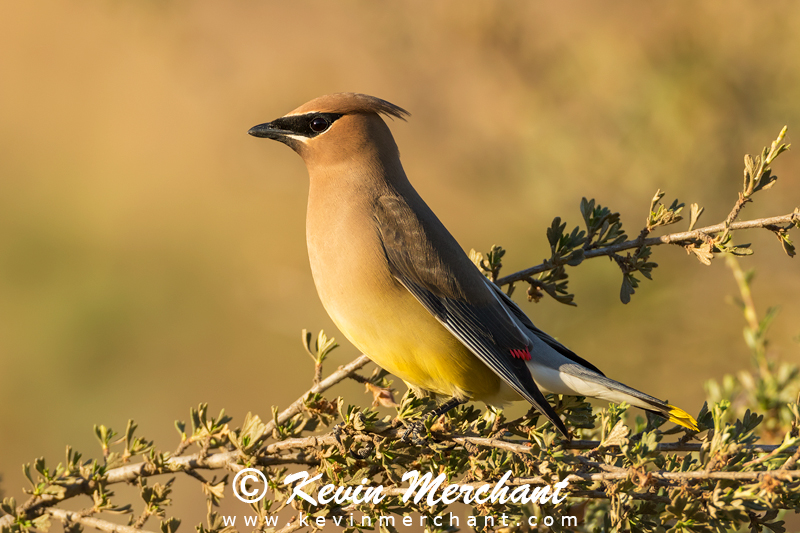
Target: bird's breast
(376, 312)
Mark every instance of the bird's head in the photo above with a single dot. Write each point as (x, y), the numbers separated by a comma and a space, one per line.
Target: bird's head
(336, 128)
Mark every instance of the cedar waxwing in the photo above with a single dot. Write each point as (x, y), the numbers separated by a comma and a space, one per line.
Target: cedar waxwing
(402, 290)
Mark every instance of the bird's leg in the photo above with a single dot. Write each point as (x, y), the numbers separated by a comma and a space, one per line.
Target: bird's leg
(449, 405)
(336, 433)
(415, 429)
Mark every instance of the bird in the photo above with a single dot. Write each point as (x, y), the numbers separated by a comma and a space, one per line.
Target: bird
(399, 286)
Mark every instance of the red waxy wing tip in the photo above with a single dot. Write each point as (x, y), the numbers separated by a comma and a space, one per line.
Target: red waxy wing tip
(523, 354)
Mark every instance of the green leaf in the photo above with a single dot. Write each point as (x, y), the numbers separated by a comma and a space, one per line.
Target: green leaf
(181, 427)
(694, 215)
(576, 257)
(170, 525)
(252, 433)
(9, 506)
(787, 244)
(322, 348)
(555, 231)
(629, 283)
(42, 522)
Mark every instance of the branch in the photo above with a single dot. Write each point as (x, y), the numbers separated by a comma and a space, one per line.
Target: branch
(617, 476)
(102, 525)
(672, 238)
(271, 455)
(223, 460)
(343, 373)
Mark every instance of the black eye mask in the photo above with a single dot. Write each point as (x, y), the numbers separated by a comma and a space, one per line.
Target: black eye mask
(309, 125)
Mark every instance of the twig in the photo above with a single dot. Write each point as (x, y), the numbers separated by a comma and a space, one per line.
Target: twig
(747, 296)
(202, 460)
(269, 455)
(737, 207)
(662, 447)
(140, 522)
(343, 373)
(791, 461)
(228, 460)
(273, 454)
(102, 525)
(600, 495)
(767, 457)
(513, 446)
(682, 477)
(296, 524)
(672, 238)
(317, 373)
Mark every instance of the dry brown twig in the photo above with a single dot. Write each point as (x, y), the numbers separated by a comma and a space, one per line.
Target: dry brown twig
(272, 454)
(275, 453)
(103, 525)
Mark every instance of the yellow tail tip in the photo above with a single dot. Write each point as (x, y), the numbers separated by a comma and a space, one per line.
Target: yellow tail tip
(682, 418)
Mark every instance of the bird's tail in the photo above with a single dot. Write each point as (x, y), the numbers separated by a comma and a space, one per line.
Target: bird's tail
(654, 405)
(681, 417)
(586, 382)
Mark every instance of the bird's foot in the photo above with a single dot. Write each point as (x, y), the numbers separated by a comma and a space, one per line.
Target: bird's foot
(471, 448)
(415, 433)
(364, 452)
(336, 433)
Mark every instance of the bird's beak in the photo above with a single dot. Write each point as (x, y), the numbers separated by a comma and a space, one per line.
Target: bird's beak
(269, 131)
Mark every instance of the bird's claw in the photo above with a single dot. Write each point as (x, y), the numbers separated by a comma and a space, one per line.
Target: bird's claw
(362, 453)
(336, 433)
(416, 434)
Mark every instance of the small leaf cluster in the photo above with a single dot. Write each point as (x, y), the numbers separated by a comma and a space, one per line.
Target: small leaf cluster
(322, 347)
(604, 236)
(602, 229)
(757, 172)
(87, 477)
(619, 483)
(490, 265)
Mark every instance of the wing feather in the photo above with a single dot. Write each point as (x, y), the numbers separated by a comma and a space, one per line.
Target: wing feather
(454, 292)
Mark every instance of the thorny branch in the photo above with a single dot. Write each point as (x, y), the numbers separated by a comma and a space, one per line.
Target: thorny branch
(602, 236)
(276, 453)
(76, 518)
(343, 373)
(672, 238)
(223, 460)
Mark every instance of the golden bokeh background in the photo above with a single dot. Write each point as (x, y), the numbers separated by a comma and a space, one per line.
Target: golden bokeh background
(152, 254)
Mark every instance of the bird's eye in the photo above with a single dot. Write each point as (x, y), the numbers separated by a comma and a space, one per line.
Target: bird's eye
(319, 124)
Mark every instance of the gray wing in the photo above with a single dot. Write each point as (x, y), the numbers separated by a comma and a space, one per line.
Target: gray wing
(455, 292)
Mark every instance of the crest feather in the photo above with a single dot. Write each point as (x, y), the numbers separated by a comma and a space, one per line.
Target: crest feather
(348, 103)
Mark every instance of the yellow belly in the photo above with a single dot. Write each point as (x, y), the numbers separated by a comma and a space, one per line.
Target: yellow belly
(401, 336)
(380, 317)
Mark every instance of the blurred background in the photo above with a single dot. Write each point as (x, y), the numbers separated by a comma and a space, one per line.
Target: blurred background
(152, 254)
